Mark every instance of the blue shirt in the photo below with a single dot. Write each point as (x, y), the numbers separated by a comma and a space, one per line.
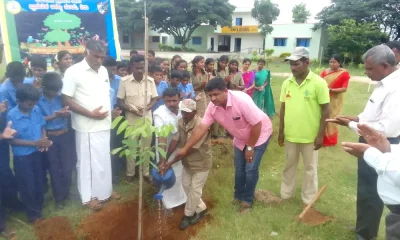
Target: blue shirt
(48, 108)
(186, 89)
(160, 90)
(113, 98)
(114, 84)
(8, 92)
(29, 128)
(29, 80)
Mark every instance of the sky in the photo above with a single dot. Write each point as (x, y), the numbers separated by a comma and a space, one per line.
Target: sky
(286, 6)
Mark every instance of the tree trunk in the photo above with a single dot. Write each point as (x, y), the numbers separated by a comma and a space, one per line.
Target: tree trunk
(67, 44)
(59, 44)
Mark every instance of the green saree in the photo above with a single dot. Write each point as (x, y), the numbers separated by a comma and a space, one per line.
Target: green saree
(264, 99)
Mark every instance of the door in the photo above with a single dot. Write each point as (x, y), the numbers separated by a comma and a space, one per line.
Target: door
(212, 45)
(238, 44)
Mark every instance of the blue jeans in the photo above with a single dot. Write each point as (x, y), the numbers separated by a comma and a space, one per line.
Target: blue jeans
(246, 174)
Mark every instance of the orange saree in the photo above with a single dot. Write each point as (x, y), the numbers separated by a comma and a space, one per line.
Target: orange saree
(335, 80)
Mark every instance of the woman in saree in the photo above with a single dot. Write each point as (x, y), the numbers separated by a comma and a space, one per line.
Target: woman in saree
(338, 80)
(248, 77)
(262, 95)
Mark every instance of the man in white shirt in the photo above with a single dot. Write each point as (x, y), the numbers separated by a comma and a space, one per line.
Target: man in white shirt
(169, 113)
(382, 113)
(385, 160)
(86, 91)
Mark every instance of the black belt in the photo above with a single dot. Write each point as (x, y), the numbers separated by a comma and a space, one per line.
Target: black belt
(394, 208)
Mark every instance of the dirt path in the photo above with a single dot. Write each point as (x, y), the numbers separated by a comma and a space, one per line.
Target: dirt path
(361, 79)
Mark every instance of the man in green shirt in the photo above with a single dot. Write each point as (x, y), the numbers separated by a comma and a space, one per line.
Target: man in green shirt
(304, 109)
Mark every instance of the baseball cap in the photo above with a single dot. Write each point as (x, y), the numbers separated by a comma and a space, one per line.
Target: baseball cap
(298, 52)
(188, 105)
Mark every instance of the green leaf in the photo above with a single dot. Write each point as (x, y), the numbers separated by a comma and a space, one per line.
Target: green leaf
(117, 150)
(154, 165)
(116, 121)
(122, 127)
(162, 152)
(152, 154)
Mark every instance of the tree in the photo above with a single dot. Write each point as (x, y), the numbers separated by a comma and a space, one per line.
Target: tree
(265, 12)
(57, 36)
(385, 13)
(130, 15)
(180, 18)
(354, 38)
(300, 13)
(62, 21)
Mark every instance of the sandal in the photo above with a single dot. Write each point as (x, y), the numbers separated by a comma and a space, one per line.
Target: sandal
(245, 208)
(94, 205)
(115, 196)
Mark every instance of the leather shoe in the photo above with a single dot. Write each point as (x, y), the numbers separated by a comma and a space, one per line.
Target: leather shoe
(185, 223)
(197, 217)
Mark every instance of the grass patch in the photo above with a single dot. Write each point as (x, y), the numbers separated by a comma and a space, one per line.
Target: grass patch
(337, 170)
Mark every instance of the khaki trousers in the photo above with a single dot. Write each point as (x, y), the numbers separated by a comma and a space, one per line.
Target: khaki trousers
(193, 184)
(131, 163)
(310, 179)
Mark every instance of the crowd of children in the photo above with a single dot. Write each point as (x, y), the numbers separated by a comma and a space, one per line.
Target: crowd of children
(44, 140)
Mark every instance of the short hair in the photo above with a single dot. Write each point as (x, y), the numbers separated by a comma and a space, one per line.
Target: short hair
(152, 53)
(109, 62)
(15, 70)
(155, 68)
(176, 74)
(27, 92)
(39, 62)
(393, 44)
(52, 81)
(261, 61)
(381, 54)
(171, 92)
(136, 59)
(96, 45)
(215, 84)
(122, 64)
(185, 74)
(133, 52)
(62, 54)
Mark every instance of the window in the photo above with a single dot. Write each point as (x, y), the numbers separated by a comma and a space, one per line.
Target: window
(303, 42)
(196, 40)
(155, 39)
(239, 21)
(164, 40)
(125, 39)
(280, 42)
(178, 41)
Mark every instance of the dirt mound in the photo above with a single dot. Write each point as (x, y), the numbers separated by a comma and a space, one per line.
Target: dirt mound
(119, 221)
(56, 228)
(267, 197)
(315, 218)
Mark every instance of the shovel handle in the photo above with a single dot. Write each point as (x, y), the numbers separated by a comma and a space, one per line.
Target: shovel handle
(312, 202)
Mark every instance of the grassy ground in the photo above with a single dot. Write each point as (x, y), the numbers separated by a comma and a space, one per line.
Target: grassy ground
(337, 169)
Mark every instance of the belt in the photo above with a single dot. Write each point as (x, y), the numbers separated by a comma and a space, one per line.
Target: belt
(56, 132)
(394, 208)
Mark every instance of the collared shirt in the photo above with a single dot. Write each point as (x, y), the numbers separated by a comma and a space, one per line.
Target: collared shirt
(303, 107)
(240, 115)
(387, 165)
(382, 111)
(114, 84)
(89, 89)
(29, 80)
(8, 93)
(163, 116)
(48, 108)
(160, 90)
(186, 89)
(199, 158)
(133, 94)
(28, 127)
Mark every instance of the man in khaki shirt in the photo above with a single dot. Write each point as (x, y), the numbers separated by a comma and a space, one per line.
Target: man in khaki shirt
(196, 165)
(131, 99)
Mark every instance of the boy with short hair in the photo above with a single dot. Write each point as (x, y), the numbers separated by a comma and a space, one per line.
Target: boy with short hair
(62, 155)
(185, 87)
(15, 73)
(122, 69)
(133, 53)
(196, 165)
(156, 72)
(38, 66)
(27, 144)
(151, 56)
(176, 78)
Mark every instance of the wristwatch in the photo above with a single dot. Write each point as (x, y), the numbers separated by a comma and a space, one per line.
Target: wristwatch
(249, 148)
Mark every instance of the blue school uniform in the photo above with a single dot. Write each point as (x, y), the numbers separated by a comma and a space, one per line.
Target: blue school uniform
(8, 93)
(61, 155)
(186, 90)
(28, 161)
(114, 84)
(160, 90)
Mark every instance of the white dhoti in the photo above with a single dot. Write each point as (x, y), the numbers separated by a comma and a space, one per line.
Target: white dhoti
(94, 165)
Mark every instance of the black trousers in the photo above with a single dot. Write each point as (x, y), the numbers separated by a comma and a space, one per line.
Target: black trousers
(369, 204)
(117, 163)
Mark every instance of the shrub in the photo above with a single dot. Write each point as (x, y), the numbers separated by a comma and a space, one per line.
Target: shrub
(361, 66)
(284, 55)
(351, 64)
(268, 53)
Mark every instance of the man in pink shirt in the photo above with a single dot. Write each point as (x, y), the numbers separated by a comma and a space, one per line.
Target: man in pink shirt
(251, 129)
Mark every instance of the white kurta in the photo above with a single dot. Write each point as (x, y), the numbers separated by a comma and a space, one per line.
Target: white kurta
(94, 165)
(174, 196)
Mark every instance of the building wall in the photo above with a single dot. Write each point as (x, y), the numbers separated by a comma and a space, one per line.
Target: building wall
(293, 31)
